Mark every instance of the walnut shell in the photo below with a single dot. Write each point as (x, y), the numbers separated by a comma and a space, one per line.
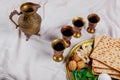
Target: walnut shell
(80, 65)
(72, 65)
(76, 57)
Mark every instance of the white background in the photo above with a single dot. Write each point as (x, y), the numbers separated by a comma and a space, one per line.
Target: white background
(32, 60)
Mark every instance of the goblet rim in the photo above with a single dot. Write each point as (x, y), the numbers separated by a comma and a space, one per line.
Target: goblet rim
(67, 27)
(79, 18)
(55, 41)
(93, 15)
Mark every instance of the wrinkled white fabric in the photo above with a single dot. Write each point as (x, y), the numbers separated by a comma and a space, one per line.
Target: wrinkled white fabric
(32, 60)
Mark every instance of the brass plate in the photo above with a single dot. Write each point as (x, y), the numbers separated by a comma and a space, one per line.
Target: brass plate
(85, 42)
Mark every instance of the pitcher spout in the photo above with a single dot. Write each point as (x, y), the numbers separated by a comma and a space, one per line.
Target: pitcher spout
(37, 5)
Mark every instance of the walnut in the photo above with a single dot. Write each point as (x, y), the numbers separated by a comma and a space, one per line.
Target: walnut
(76, 57)
(80, 65)
(72, 65)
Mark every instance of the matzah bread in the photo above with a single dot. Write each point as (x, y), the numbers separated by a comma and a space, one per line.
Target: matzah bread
(108, 52)
(98, 67)
(98, 64)
(113, 76)
(108, 71)
(96, 40)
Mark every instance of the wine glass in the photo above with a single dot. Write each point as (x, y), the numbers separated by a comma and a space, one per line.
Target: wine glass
(78, 23)
(93, 19)
(58, 46)
(67, 33)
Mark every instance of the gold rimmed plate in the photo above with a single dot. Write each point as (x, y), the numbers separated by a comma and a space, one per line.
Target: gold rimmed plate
(89, 42)
(85, 43)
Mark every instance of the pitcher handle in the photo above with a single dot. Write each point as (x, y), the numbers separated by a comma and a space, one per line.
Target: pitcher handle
(11, 17)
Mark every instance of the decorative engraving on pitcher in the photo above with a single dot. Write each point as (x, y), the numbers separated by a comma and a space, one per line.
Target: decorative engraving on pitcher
(29, 21)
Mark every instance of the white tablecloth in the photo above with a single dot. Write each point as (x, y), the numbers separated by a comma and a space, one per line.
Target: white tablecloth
(32, 60)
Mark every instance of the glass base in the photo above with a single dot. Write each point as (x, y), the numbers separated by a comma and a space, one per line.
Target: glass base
(67, 43)
(58, 58)
(77, 34)
(91, 30)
